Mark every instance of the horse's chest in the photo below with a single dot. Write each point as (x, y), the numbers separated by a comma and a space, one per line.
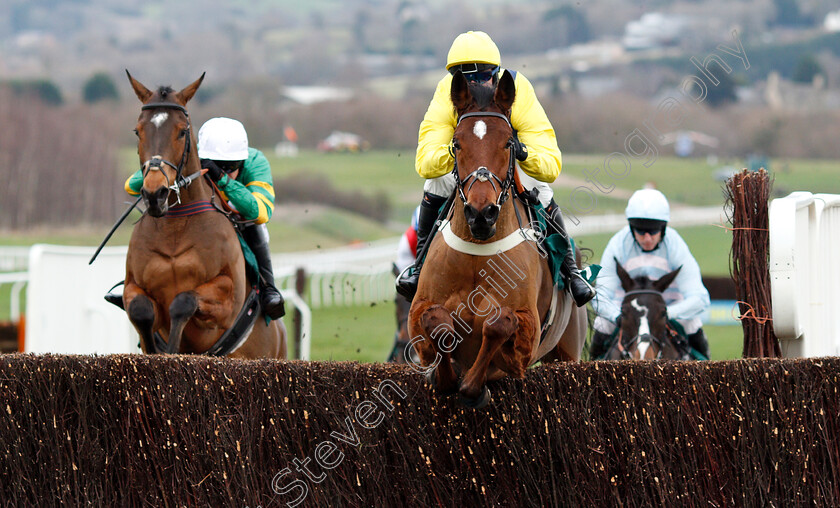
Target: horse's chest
(175, 266)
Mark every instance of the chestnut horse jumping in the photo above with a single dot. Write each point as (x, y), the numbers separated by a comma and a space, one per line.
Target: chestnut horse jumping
(481, 309)
(644, 332)
(185, 271)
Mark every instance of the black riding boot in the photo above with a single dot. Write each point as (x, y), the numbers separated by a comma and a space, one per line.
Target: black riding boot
(699, 342)
(256, 237)
(599, 346)
(581, 290)
(114, 299)
(429, 209)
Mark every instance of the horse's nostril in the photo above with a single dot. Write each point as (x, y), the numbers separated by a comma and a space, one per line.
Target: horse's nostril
(470, 214)
(490, 213)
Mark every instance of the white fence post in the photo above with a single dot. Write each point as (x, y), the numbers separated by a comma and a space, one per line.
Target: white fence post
(804, 277)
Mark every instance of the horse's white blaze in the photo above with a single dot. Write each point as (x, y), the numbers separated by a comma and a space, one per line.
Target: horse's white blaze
(480, 129)
(159, 118)
(644, 326)
(643, 347)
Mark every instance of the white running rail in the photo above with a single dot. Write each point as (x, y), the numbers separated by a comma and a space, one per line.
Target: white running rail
(804, 273)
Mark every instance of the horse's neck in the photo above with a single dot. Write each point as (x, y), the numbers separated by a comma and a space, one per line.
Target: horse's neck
(506, 224)
(198, 190)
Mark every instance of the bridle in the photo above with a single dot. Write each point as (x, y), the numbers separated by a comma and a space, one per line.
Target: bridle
(156, 162)
(625, 353)
(482, 174)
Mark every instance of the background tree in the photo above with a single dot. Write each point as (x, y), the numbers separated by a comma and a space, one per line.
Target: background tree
(806, 68)
(100, 87)
(43, 89)
(722, 93)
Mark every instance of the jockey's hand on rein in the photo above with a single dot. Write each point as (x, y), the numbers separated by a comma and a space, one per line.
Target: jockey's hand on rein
(213, 170)
(519, 150)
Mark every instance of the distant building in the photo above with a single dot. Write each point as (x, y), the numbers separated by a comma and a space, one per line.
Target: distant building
(781, 94)
(654, 30)
(308, 95)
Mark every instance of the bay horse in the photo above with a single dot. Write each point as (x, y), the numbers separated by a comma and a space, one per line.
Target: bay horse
(487, 288)
(644, 332)
(185, 271)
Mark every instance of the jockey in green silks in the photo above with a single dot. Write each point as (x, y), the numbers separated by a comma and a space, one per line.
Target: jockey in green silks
(243, 175)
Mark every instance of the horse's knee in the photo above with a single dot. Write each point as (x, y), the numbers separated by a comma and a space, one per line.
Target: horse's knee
(141, 312)
(434, 317)
(183, 306)
(516, 351)
(503, 326)
(439, 326)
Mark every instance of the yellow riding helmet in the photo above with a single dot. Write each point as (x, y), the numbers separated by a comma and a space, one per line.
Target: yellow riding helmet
(473, 47)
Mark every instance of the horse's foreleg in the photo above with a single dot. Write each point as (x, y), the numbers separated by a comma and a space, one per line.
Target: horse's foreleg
(427, 325)
(181, 310)
(494, 334)
(439, 327)
(142, 313)
(515, 354)
(215, 302)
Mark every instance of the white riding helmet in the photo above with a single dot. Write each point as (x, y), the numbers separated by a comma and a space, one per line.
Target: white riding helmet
(648, 204)
(223, 139)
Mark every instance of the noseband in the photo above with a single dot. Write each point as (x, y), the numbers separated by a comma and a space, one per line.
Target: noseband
(156, 162)
(625, 353)
(482, 174)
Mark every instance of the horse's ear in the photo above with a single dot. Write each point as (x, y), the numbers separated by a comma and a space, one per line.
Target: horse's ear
(505, 92)
(142, 92)
(460, 92)
(626, 281)
(666, 280)
(187, 93)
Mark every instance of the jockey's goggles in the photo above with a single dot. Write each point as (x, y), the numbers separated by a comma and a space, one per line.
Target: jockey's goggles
(475, 72)
(230, 166)
(647, 226)
(647, 231)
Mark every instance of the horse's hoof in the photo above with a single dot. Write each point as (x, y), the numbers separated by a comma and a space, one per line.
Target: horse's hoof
(432, 378)
(479, 402)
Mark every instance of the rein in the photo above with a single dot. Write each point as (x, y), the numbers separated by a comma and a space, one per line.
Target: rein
(482, 174)
(156, 162)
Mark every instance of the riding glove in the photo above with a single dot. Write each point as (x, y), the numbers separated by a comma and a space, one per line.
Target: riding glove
(213, 170)
(519, 150)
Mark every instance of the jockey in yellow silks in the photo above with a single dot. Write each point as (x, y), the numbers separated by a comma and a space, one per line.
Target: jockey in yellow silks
(538, 156)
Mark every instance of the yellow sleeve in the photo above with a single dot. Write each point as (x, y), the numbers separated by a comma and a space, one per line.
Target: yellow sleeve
(528, 117)
(433, 158)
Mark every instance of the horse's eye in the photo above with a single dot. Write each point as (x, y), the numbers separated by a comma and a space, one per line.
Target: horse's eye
(183, 133)
(456, 145)
(136, 133)
(509, 144)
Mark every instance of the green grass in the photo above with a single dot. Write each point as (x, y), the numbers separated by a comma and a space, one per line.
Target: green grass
(389, 171)
(692, 182)
(725, 342)
(710, 246)
(360, 333)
